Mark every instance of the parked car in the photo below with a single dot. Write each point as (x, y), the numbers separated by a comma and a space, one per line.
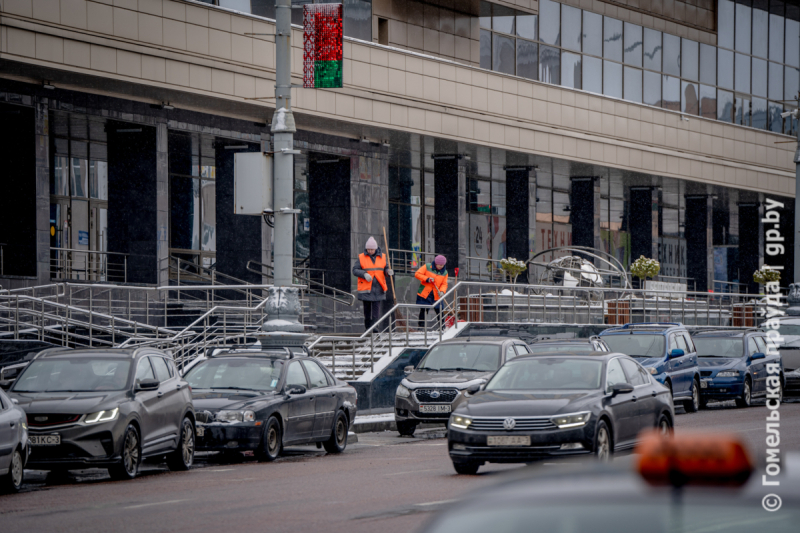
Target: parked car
(106, 408)
(573, 346)
(14, 448)
(666, 350)
(790, 353)
(263, 401)
(436, 386)
(557, 404)
(733, 365)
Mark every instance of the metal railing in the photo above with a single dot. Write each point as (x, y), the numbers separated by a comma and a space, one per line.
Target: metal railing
(409, 261)
(88, 265)
(314, 286)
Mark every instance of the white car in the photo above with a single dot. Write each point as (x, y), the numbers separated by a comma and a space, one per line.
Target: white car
(790, 353)
(13, 444)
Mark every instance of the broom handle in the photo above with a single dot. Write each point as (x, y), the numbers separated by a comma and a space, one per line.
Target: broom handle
(389, 260)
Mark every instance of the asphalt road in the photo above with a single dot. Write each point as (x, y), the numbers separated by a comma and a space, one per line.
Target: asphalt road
(384, 482)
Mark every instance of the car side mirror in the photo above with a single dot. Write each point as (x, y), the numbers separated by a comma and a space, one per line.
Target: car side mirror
(677, 352)
(295, 389)
(5, 384)
(409, 369)
(621, 388)
(147, 384)
(472, 389)
(14, 401)
(757, 355)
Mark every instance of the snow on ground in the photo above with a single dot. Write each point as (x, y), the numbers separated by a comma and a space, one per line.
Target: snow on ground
(369, 419)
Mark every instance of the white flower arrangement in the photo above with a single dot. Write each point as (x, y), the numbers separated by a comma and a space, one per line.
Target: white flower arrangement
(644, 268)
(766, 274)
(512, 268)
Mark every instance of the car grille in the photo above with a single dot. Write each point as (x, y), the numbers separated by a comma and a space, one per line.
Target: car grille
(204, 417)
(40, 420)
(706, 373)
(521, 424)
(436, 395)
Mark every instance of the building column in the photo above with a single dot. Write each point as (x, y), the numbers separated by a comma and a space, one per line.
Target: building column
(644, 222)
(162, 203)
(42, 132)
(699, 241)
(518, 215)
(750, 249)
(450, 209)
(585, 212)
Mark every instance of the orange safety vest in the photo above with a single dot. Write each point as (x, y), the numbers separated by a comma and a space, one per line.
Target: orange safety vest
(425, 288)
(376, 270)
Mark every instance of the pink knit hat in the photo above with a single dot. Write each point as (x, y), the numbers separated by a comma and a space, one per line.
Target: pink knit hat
(440, 260)
(371, 244)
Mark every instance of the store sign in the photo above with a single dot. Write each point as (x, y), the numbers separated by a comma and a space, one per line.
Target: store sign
(322, 46)
(83, 238)
(665, 286)
(672, 256)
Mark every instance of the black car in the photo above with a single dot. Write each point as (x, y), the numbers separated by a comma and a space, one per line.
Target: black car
(557, 404)
(573, 346)
(263, 401)
(106, 408)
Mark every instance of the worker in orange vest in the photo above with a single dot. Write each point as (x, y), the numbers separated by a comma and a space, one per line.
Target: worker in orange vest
(433, 285)
(371, 270)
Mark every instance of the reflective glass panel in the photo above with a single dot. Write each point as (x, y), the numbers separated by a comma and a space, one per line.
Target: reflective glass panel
(759, 84)
(549, 22)
(485, 15)
(742, 36)
(184, 196)
(571, 27)
(708, 64)
(689, 59)
(549, 65)
(98, 182)
(791, 83)
(758, 113)
(632, 52)
(503, 59)
(671, 93)
(725, 107)
(527, 26)
(486, 49)
(775, 81)
(571, 70)
(742, 111)
(60, 183)
(791, 54)
(651, 94)
(760, 32)
(592, 74)
(725, 68)
(612, 39)
(208, 197)
(503, 19)
(672, 55)
(79, 177)
(708, 102)
(775, 121)
(357, 19)
(652, 49)
(592, 33)
(776, 25)
(725, 16)
(612, 79)
(632, 84)
(690, 99)
(527, 59)
(742, 73)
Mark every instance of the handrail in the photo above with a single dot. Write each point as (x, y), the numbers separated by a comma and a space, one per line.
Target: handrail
(346, 298)
(216, 273)
(100, 252)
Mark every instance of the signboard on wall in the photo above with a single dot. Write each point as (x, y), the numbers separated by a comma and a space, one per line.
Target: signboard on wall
(672, 256)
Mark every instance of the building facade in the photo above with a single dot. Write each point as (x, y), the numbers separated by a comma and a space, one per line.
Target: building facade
(478, 130)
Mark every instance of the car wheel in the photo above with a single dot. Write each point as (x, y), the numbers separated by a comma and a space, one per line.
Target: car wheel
(664, 425)
(338, 441)
(466, 468)
(603, 443)
(128, 466)
(693, 405)
(746, 399)
(183, 457)
(406, 427)
(271, 442)
(12, 481)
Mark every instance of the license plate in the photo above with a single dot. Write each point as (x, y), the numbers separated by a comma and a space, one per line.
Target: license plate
(201, 431)
(45, 440)
(434, 408)
(509, 441)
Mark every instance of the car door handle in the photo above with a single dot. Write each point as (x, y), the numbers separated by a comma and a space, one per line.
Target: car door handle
(178, 387)
(654, 393)
(633, 398)
(160, 394)
(11, 424)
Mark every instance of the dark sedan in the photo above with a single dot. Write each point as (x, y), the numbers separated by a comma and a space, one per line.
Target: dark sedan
(557, 404)
(107, 408)
(263, 401)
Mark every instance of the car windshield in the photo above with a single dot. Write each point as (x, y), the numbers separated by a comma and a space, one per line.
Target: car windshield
(718, 347)
(786, 329)
(74, 374)
(462, 357)
(243, 374)
(547, 373)
(569, 348)
(637, 345)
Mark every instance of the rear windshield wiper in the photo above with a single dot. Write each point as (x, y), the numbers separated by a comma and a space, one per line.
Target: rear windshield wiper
(459, 369)
(233, 388)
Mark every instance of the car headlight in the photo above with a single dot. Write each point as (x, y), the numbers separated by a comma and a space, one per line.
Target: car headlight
(460, 422)
(236, 416)
(101, 416)
(573, 420)
(402, 391)
(652, 370)
(728, 374)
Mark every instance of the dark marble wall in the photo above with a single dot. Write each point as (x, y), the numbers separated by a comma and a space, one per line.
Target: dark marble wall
(582, 212)
(641, 223)
(447, 229)
(329, 224)
(517, 216)
(697, 237)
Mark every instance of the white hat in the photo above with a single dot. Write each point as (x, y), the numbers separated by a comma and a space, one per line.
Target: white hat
(371, 244)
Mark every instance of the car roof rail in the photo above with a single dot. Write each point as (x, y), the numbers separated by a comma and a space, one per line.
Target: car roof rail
(47, 351)
(262, 351)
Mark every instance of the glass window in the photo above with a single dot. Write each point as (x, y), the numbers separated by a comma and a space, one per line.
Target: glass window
(527, 26)
(632, 52)
(612, 39)
(776, 24)
(760, 32)
(258, 374)
(614, 374)
(758, 113)
(632, 372)
(708, 64)
(503, 54)
(162, 372)
(742, 35)
(184, 213)
(652, 49)
(144, 370)
(759, 82)
(689, 59)
(651, 94)
(775, 80)
(742, 111)
(633, 84)
(672, 55)
(79, 177)
(510, 353)
(708, 102)
(774, 117)
(791, 83)
(571, 70)
(762, 345)
(549, 22)
(208, 209)
(725, 107)
(527, 59)
(725, 17)
(295, 375)
(98, 179)
(60, 184)
(742, 73)
(690, 101)
(503, 19)
(486, 49)
(671, 93)
(549, 65)
(725, 69)
(612, 79)
(571, 27)
(592, 33)
(357, 19)
(792, 52)
(485, 15)
(316, 376)
(592, 74)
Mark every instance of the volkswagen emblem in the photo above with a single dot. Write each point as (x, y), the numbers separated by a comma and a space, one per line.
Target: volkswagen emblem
(509, 424)
(435, 394)
(41, 419)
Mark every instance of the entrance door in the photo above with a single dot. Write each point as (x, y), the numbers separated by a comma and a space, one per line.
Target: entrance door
(79, 237)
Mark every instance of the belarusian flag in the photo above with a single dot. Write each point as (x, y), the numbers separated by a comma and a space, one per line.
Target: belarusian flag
(322, 45)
